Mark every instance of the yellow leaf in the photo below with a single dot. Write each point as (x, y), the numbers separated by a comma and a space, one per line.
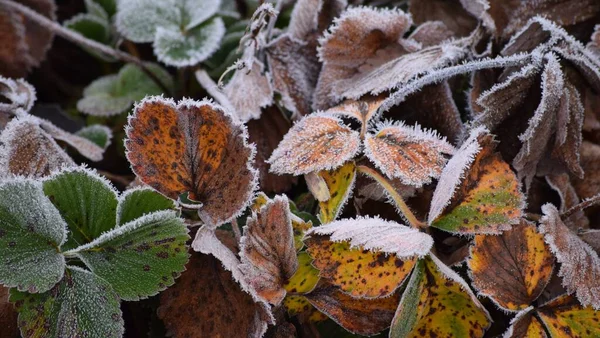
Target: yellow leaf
(306, 277)
(564, 317)
(340, 183)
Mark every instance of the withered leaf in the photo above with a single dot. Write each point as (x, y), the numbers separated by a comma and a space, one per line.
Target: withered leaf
(590, 161)
(580, 264)
(513, 268)
(358, 272)
(410, 153)
(477, 193)
(561, 183)
(450, 13)
(8, 315)
(249, 90)
(196, 148)
(205, 302)
(267, 252)
(19, 93)
(525, 325)
(317, 142)
(360, 316)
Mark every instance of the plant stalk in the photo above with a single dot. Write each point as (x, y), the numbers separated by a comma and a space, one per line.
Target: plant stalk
(385, 183)
(81, 40)
(581, 206)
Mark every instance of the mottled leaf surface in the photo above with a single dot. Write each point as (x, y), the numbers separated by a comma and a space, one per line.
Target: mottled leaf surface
(305, 278)
(525, 325)
(564, 317)
(339, 183)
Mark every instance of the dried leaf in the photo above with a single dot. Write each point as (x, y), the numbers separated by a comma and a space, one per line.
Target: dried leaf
(363, 110)
(512, 269)
(358, 272)
(249, 90)
(194, 147)
(317, 142)
(360, 316)
(267, 252)
(477, 193)
(339, 184)
(437, 302)
(84, 146)
(450, 13)
(564, 317)
(580, 264)
(568, 199)
(378, 235)
(590, 161)
(412, 154)
(19, 93)
(525, 325)
(8, 316)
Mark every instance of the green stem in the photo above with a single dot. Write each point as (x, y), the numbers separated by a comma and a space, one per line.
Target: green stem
(385, 183)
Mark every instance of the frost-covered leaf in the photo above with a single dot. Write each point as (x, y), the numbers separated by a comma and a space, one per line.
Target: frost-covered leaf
(412, 154)
(376, 234)
(114, 94)
(363, 110)
(305, 278)
(339, 184)
(29, 151)
(140, 258)
(267, 250)
(31, 233)
(206, 301)
(568, 198)
(358, 272)
(360, 316)
(477, 193)
(19, 93)
(86, 201)
(580, 264)
(431, 33)
(84, 146)
(249, 91)
(564, 317)
(137, 202)
(81, 305)
(438, 302)
(317, 186)
(590, 161)
(138, 20)
(512, 269)
(193, 147)
(99, 134)
(317, 142)
(449, 13)
(91, 26)
(525, 325)
(24, 41)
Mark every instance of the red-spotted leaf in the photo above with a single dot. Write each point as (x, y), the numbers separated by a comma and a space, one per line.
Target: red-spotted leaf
(579, 263)
(412, 154)
(317, 142)
(193, 147)
(267, 252)
(477, 193)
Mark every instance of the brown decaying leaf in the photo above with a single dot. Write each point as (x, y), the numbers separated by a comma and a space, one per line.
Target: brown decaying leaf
(8, 316)
(317, 142)
(24, 42)
(20, 94)
(561, 183)
(248, 91)
(362, 111)
(206, 302)
(590, 161)
(450, 13)
(525, 325)
(194, 147)
(27, 150)
(410, 153)
(513, 268)
(267, 252)
(580, 264)
(360, 316)
(266, 133)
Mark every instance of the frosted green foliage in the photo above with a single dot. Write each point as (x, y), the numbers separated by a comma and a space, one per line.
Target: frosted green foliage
(136, 203)
(91, 26)
(183, 32)
(81, 305)
(99, 134)
(31, 231)
(141, 258)
(96, 9)
(85, 200)
(114, 94)
(109, 6)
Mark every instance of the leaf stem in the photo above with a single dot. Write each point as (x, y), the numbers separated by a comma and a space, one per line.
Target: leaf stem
(385, 183)
(581, 206)
(82, 40)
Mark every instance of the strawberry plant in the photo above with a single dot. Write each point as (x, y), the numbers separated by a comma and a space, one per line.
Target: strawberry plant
(310, 168)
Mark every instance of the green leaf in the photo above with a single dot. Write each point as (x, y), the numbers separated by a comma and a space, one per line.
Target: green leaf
(180, 49)
(31, 232)
(91, 26)
(114, 94)
(96, 9)
(81, 305)
(110, 6)
(136, 203)
(141, 258)
(99, 134)
(85, 200)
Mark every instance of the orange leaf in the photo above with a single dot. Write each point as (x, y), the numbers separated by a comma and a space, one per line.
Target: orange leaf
(193, 147)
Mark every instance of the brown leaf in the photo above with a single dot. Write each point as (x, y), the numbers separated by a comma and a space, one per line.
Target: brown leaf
(590, 161)
(26, 149)
(450, 13)
(568, 199)
(20, 95)
(267, 253)
(525, 325)
(512, 269)
(266, 133)
(580, 264)
(431, 33)
(194, 147)
(360, 316)
(24, 42)
(8, 316)
(206, 302)
(317, 142)
(248, 91)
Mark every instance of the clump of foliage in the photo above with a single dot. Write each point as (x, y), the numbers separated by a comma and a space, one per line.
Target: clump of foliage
(305, 168)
